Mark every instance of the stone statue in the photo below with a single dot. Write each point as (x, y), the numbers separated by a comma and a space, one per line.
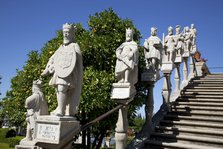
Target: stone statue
(67, 69)
(193, 33)
(179, 39)
(187, 40)
(35, 105)
(169, 45)
(126, 69)
(153, 52)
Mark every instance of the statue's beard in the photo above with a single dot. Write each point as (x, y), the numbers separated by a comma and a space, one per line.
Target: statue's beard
(66, 41)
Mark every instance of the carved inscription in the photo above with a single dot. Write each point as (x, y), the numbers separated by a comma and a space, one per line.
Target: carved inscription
(48, 132)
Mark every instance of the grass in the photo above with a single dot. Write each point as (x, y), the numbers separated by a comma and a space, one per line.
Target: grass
(5, 146)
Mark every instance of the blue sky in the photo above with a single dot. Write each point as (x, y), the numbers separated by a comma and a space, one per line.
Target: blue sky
(27, 25)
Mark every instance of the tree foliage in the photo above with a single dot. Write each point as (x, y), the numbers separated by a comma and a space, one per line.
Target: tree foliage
(98, 44)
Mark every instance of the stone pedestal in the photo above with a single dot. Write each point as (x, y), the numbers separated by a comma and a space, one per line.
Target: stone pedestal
(56, 132)
(185, 72)
(177, 79)
(201, 69)
(52, 132)
(167, 70)
(192, 68)
(122, 91)
(25, 144)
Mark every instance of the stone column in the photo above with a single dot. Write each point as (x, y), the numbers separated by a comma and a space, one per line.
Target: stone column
(121, 93)
(166, 68)
(185, 72)
(149, 104)
(166, 91)
(177, 78)
(192, 67)
(121, 128)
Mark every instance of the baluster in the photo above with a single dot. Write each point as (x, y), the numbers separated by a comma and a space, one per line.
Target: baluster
(166, 91)
(121, 128)
(176, 92)
(192, 67)
(185, 72)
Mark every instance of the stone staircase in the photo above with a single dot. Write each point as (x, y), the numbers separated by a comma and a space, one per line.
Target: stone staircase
(196, 118)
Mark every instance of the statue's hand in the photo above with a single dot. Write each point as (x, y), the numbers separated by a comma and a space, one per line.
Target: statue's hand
(45, 73)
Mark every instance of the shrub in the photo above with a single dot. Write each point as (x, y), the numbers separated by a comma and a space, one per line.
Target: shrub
(11, 133)
(14, 141)
(3, 132)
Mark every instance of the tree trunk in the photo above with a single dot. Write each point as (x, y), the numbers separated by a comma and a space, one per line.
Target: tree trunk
(83, 132)
(95, 140)
(88, 138)
(101, 138)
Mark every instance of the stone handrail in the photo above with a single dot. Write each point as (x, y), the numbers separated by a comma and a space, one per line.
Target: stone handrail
(177, 50)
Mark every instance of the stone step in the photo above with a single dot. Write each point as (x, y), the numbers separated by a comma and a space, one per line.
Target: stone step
(208, 81)
(197, 113)
(198, 118)
(203, 90)
(193, 120)
(200, 93)
(192, 131)
(198, 124)
(209, 78)
(199, 100)
(205, 87)
(203, 96)
(172, 145)
(188, 138)
(195, 103)
(214, 75)
(202, 108)
(205, 84)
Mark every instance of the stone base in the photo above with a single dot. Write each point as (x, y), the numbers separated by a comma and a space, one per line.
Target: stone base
(26, 147)
(52, 132)
(201, 68)
(120, 139)
(122, 91)
(167, 67)
(178, 59)
(55, 132)
(27, 144)
(186, 54)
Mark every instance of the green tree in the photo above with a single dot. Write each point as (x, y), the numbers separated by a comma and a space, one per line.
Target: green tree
(98, 44)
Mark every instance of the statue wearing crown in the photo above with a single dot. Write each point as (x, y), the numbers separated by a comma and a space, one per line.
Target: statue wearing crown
(153, 50)
(36, 105)
(67, 69)
(126, 69)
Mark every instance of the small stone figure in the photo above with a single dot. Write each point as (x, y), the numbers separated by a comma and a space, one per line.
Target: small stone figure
(35, 105)
(187, 39)
(67, 69)
(153, 52)
(179, 39)
(169, 45)
(193, 33)
(126, 69)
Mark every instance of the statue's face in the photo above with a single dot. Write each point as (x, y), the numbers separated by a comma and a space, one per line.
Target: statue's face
(153, 32)
(192, 25)
(66, 36)
(129, 36)
(177, 30)
(170, 31)
(187, 29)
